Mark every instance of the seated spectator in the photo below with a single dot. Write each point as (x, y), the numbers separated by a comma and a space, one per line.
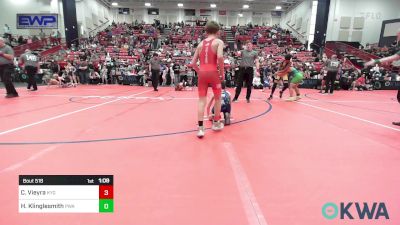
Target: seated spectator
(35, 38)
(29, 41)
(94, 77)
(360, 84)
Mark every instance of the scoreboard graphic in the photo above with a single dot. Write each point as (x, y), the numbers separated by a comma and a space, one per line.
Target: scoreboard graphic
(66, 194)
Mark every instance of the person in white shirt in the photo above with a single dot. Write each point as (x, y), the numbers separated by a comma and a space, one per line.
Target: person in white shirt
(164, 75)
(104, 72)
(171, 74)
(375, 69)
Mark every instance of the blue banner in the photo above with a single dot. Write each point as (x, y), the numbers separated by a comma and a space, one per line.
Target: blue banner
(37, 21)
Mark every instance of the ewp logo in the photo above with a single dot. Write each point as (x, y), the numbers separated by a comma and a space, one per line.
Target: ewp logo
(364, 211)
(25, 21)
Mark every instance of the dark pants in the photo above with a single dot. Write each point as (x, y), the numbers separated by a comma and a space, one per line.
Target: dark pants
(82, 76)
(224, 109)
(330, 81)
(31, 72)
(398, 95)
(9, 37)
(245, 74)
(183, 78)
(5, 73)
(155, 76)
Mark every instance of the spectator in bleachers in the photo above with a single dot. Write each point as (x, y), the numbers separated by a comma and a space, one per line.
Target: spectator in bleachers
(94, 77)
(35, 38)
(7, 33)
(360, 84)
(21, 40)
(29, 41)
(83, 70)
(43, 38)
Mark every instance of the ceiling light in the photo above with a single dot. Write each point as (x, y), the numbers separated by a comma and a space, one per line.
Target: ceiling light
(180, 4)
(114, 4)
(213, 5)
(240, 15)
(278, 7)
(245, 6)
(147, 4)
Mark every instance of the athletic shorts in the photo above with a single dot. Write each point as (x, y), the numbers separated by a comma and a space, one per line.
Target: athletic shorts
(297, 78)
(209, 79)
(277, 78)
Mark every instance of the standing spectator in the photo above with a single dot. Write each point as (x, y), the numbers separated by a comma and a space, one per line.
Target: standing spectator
(249, 60)
(7, 33)
(82, 71)
(58, 37)
(43, 38)
(164, 74)
(332, 66)
(104, 72)
(31, 66)
(172, 74)
(53, 38)
(6, 68)
(177, 71)
(70, 73)
(54, 67)
(154, 67)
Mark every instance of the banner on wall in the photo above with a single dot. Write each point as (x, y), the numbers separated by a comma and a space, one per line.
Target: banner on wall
(257, 13)
(125, 11)
(37, 21)
(233, 13)
(205, 12)
(276, 13)
(222, 12)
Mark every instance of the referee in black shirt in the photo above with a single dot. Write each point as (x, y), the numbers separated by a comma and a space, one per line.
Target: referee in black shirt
(246, 70)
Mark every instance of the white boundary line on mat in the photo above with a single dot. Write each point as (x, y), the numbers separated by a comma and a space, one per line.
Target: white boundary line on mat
(252, 208)
(349, 116)
(66, 114)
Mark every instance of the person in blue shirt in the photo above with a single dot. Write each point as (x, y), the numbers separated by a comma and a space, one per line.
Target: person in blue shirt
(225, 105)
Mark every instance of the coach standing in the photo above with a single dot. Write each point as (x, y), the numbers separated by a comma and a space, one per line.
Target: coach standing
(154, 67)
(31, 66)
(246, 70)
(6, 67)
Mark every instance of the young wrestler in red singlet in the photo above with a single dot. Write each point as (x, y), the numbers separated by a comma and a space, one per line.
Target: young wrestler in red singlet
(210, 73)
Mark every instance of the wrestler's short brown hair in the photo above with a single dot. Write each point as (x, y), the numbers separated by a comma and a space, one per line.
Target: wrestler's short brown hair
(212, 27)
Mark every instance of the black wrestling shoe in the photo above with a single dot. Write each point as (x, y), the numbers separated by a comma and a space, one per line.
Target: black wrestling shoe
(12, 95)
(280, 94)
